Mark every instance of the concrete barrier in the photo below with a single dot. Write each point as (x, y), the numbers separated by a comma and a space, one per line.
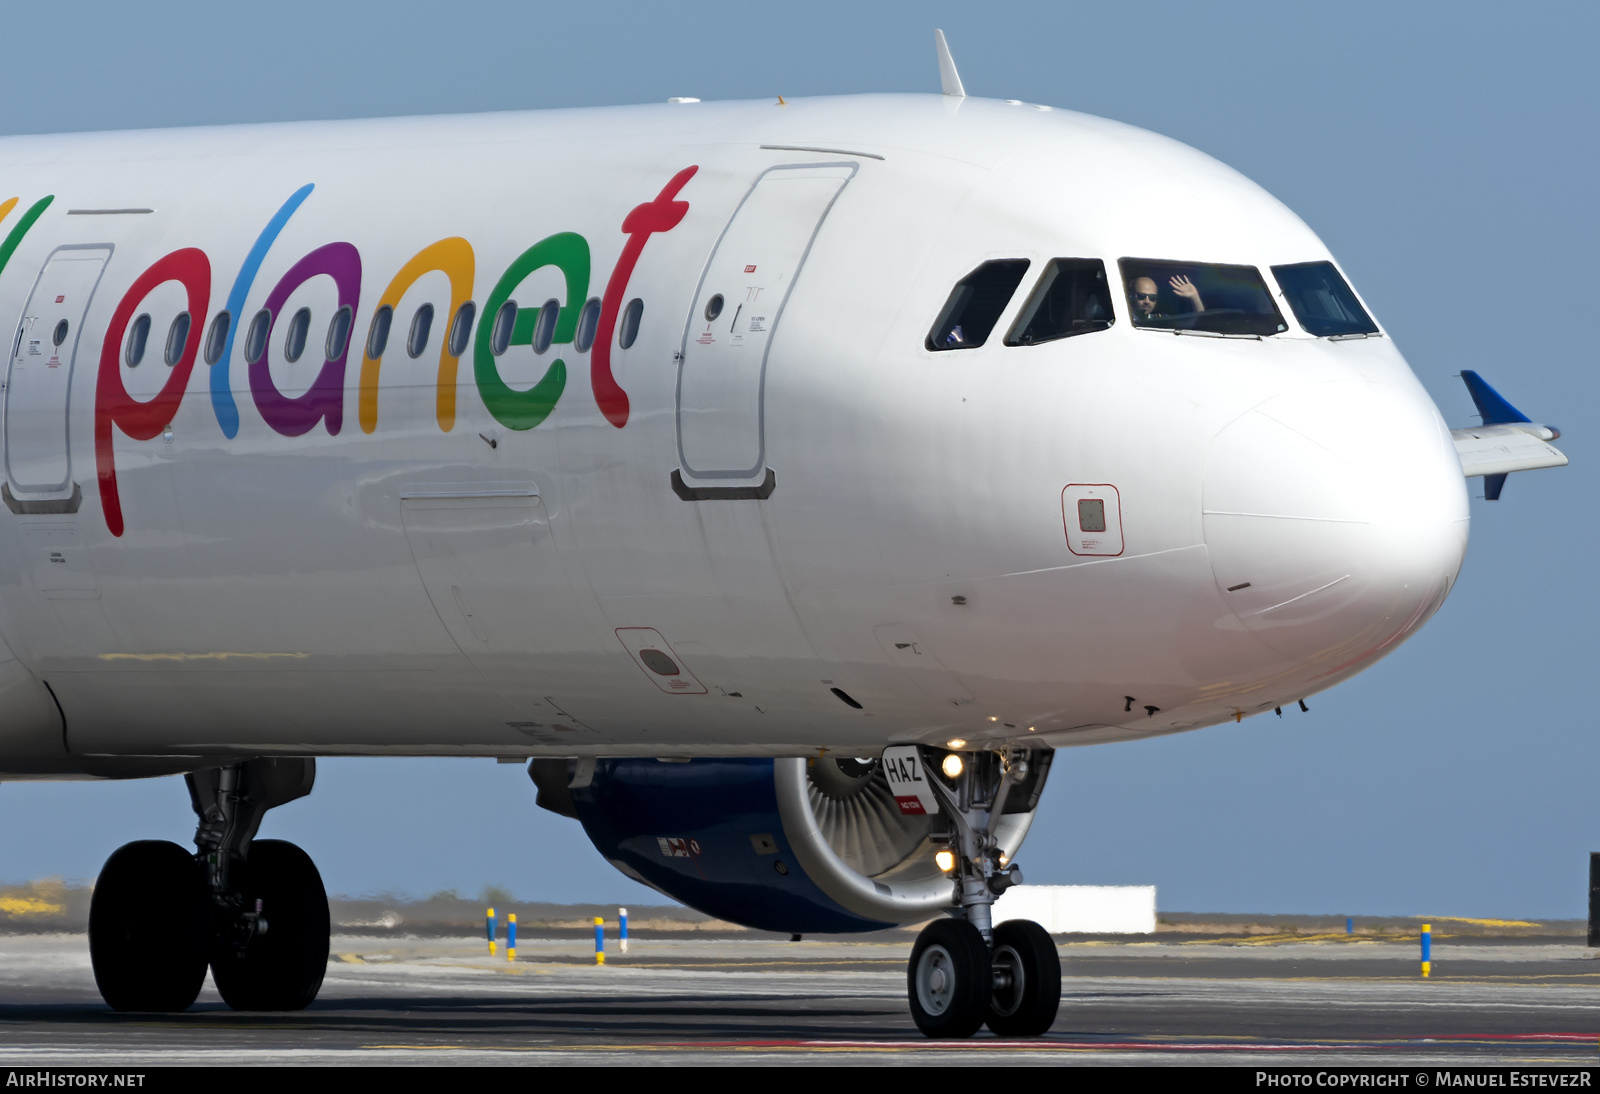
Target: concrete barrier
(1082, 909)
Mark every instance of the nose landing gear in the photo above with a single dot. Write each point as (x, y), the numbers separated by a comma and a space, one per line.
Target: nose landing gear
(255, 911)
(965, 972)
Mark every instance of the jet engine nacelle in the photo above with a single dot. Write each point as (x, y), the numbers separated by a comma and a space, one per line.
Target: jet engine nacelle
(792, 845)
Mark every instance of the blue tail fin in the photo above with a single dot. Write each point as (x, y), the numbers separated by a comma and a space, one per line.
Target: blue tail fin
(1492, 406)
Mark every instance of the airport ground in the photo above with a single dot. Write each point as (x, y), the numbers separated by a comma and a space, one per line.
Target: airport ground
(1212, 990)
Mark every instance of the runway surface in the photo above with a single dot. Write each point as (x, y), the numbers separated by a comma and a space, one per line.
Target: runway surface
(1257, 1002)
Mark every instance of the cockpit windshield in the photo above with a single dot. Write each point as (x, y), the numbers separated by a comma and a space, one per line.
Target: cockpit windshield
(1199, 296)
(1322, 301)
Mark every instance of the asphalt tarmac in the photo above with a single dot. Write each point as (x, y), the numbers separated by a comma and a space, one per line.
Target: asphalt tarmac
(1258, 1002)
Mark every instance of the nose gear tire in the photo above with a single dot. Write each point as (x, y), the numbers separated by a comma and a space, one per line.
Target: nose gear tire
(1027, 980)
(281, 968)
(150, 927)
(949, 979)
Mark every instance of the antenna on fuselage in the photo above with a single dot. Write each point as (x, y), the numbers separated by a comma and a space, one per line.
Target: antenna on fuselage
(949, 78)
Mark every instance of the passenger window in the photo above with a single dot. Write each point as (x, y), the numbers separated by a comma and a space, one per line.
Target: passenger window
(1322, 300)
(461, 328)
(588, 323)
(1205, 297)
(544, 330)
(505, 323)
(975, 305)
(255, 339)
(421, 324)
(138, 335)
(177, 337)
(628, 330)
(59, 335)
(338, 334)
(294, 340)
(217, 337)
(1072, 297)
(378, 333)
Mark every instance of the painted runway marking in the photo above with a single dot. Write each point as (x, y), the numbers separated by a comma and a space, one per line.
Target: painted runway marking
(1042, 1045)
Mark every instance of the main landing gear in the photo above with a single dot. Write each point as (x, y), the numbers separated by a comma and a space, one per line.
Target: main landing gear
(965, 972)
(253, 910)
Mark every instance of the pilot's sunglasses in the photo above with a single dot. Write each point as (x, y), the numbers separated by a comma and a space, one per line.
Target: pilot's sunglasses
(1144, 296)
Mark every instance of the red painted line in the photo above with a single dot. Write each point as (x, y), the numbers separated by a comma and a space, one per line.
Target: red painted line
(1584, 1037)
(1152, 1046)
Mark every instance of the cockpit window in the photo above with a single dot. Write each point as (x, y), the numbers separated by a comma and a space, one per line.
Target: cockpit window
(1322, 300)
(1205, 297)
(975, 305)
(1072, 297)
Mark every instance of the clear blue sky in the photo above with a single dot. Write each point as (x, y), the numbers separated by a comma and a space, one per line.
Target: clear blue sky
(1447, 153)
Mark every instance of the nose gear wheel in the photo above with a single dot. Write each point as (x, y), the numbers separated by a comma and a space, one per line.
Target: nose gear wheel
(1027, 980)
(949, 979)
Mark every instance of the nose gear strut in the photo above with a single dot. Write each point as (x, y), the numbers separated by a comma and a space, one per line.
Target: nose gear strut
(975, 804)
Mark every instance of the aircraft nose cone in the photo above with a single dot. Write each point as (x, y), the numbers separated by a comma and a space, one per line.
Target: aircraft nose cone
(1336, 520)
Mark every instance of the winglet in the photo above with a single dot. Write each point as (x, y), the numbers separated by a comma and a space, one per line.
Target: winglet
(1492, 406)
(949, 78)
(1507, 441)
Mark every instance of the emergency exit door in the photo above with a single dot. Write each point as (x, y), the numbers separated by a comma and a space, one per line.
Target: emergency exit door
(38, 387)
(736, 312)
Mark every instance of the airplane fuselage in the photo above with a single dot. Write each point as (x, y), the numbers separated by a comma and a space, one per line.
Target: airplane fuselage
(790, 526)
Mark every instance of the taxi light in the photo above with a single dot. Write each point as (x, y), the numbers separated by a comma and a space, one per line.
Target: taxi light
(956, 743)
(946, 860)
(952, 765)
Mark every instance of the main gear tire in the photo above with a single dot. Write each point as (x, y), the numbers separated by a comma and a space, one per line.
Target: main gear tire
(150, 927)
(282, 967)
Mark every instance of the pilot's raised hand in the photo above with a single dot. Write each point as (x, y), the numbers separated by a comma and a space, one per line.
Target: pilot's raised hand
(1182, 286)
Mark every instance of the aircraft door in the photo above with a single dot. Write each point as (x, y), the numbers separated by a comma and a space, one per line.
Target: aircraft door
(39, 382)
(736, 311)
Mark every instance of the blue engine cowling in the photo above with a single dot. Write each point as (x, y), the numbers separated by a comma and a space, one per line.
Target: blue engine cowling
(779, 845)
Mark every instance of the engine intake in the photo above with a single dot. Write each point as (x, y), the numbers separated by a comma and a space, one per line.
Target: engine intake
(790, 845)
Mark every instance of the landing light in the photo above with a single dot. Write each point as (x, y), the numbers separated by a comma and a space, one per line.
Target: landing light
(956, 743)
(952, 765)
(946, 860)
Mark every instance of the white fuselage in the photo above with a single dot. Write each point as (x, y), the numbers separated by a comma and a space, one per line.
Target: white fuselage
(394, 557)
